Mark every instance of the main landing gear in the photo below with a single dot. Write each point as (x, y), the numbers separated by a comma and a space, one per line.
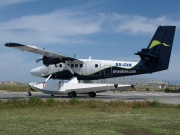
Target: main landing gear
(92, 94)
(72, 94)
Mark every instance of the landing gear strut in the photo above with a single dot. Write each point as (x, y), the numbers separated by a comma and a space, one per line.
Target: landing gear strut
(28, 92)
(72, 94)
(92, 94)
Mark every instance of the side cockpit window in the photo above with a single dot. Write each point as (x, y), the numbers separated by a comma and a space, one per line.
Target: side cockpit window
(72, 65)
(60, 65)
(81, 65)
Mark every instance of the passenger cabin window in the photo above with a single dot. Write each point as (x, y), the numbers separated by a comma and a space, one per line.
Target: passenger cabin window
(60, 65)
(72, 65)
(96, 65)
(81, 65)
(76, 65)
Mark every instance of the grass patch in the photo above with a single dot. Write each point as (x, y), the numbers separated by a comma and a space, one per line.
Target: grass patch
(74, 116)
(155, 103)
(74, 120)
(91, 104)
(35, 102)
(76, 103)
(51, 101)
(73, 101)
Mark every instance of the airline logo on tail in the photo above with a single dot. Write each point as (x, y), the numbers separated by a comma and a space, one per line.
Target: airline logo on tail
(155, 43)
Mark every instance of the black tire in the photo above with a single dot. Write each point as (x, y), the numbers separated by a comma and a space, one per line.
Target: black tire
(52, 95)
(29, 94)
(72, 94)
(92, 94)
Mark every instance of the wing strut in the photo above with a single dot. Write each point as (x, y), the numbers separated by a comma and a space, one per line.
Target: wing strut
(69, 68)
(48, 77)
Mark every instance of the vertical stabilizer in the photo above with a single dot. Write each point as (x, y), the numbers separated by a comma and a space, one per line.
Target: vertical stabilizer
(157, 55)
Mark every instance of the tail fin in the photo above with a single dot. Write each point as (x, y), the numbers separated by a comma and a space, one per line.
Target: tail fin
(157, 55)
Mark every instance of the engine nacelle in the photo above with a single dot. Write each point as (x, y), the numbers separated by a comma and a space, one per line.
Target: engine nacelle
(50, 61)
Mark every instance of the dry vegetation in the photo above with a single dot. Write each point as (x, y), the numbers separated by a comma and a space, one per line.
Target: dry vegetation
(13, 87)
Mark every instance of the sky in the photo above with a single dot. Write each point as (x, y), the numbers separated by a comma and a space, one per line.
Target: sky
(102, 29)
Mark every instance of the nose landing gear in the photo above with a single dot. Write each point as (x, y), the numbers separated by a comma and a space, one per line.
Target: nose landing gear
(28, 92)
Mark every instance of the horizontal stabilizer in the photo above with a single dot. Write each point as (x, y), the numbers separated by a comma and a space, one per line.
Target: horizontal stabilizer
(146, 56)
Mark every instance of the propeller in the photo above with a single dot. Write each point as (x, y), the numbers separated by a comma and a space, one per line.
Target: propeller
(42, 58)
(38, 60)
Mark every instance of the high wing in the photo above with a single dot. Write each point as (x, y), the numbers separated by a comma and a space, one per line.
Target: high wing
(34, 49)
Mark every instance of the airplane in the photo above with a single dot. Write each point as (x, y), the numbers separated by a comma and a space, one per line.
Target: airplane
(154, 58)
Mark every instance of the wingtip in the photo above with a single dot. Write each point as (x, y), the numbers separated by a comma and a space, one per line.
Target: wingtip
(7, 44)
(13, 45)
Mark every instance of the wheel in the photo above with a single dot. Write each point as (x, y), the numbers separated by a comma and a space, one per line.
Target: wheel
(52, 95)
(72, 94)
(29, 94)
(92, 94)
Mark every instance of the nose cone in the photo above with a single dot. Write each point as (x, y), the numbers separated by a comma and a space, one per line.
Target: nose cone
(36, 71)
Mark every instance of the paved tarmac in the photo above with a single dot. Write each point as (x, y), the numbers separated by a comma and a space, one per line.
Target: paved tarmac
(170, 98)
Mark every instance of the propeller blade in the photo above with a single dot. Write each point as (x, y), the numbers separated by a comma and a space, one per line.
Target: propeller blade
(38, 60)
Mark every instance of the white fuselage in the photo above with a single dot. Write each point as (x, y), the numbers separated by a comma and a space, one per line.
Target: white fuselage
(87, 67)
